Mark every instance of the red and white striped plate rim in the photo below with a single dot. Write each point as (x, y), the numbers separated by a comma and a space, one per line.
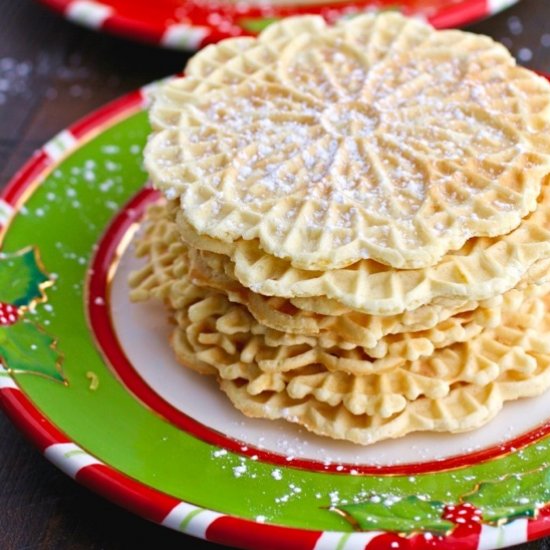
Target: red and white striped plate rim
(192, 24)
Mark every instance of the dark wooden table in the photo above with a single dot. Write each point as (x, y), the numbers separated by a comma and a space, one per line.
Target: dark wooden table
(52, 73)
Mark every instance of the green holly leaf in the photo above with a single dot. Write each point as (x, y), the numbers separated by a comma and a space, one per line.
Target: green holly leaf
(24, 347)
(516, 496)
(22, 278)
(406, 515)
(257, 25)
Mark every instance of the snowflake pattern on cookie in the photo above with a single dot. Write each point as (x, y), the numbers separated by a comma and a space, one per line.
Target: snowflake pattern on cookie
(378, 138)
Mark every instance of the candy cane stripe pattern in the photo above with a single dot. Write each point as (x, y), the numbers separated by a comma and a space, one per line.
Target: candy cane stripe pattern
(205, 25)
(503, 535)
(86, 12)
(59, 145)
(69, 458)
(190, 519)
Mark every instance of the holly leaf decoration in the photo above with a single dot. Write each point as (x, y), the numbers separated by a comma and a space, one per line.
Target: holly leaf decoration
(407, 515)
(22, 279)
(24, 347)
(516, 496)
(257, 25)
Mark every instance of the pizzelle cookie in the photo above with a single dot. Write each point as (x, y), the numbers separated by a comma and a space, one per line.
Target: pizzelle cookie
(516, 352)
(229, 329)
(377, 335)
(392, 337)
(282, 352)
(259, 369)
(465, 408)
(483, 268)
(166, 257)
(356, 236)
(378, 138)
(456, 388)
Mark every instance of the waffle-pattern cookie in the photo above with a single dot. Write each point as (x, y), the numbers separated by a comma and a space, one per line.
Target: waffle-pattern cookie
(212, 320)
(356, 232)
(465, 408)
(428, 371)
(379, 338)
(483, 268)
(376, 138)
(212, 331)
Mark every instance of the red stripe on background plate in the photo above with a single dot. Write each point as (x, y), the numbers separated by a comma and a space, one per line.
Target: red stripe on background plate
(133, 27)
(460, 14)
(127, 492)
(146, 22)
(26, 417)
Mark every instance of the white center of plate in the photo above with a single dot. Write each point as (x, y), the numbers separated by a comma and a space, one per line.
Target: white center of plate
(143, 332)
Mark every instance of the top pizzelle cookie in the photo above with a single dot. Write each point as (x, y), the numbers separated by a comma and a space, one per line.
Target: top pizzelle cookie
(377, 138)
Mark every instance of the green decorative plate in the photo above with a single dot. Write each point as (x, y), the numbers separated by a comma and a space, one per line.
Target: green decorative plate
(89, 377)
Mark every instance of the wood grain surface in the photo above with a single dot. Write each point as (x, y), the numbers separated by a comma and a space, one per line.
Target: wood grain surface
(51, 73)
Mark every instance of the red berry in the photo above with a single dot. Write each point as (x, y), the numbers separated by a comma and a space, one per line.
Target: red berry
(8, 314)
(465, 514)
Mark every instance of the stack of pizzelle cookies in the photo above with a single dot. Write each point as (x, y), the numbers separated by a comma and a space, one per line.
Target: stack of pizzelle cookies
(356, 231)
